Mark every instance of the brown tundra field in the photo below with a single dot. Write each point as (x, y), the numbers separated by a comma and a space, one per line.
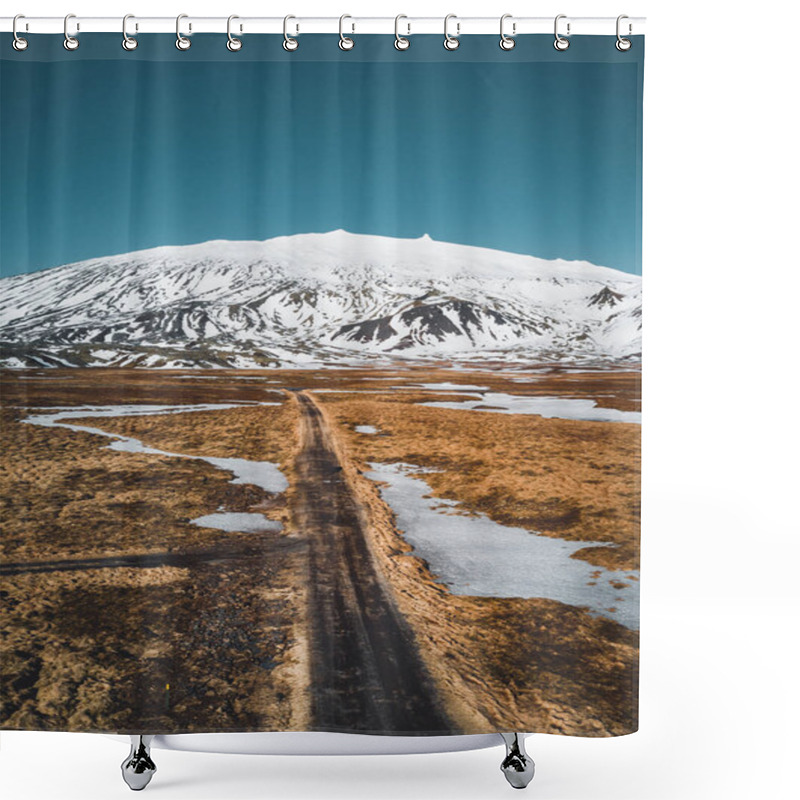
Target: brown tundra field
(128, 606)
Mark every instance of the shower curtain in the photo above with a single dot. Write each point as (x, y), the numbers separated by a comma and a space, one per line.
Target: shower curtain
(321, 385)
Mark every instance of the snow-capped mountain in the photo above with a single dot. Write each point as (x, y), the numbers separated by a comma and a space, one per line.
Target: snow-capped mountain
(314, 298)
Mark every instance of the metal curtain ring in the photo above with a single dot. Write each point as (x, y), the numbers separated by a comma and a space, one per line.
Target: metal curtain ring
(507, 42)
(233, 44)
(181, 42)
(345, 42)
(289, 43)
(451, 42)
(70, 42)
(401, 42)
(560, 43)
(18, 43)
(128, 42)
(622, 44)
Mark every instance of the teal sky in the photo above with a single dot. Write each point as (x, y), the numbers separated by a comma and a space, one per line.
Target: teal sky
(532, 151)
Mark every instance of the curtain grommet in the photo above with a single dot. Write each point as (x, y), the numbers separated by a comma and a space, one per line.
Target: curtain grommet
(233, 44)
(289, 44)
(19, 43)
(181, 41)
(507, 42)
(129, 43)
(70, 42)
(561, 43)
(401, 42)
(622, 44)
(451, 42)
(345, 42)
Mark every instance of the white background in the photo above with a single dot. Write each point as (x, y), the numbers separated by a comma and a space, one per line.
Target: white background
(719, 696)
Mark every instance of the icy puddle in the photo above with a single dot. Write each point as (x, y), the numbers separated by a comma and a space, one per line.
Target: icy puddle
(366, 429)
(445, 387)
(550, 407)
(477, 398)
(237, 521)
(473, 555)
(259, 473)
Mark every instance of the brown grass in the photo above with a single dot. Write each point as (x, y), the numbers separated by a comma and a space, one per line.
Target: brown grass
(94, 649)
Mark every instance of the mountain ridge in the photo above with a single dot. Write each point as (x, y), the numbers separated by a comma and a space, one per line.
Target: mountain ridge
(333, 298)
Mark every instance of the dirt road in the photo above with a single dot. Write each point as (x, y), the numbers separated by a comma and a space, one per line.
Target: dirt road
(366, 672)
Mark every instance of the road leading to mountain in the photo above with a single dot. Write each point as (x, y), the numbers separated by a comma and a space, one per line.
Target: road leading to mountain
(366, 672)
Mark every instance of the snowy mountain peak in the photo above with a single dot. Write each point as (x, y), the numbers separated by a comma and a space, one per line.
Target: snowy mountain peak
(317, 297)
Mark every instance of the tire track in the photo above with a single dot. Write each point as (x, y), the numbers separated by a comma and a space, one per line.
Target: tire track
(219, 553)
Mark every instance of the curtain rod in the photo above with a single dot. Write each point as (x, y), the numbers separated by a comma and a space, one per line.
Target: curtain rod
(462, 26)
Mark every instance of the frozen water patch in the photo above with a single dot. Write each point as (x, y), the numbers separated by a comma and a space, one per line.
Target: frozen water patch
(238, 522)
(549, 407)
(446, 387)
(476, 398)
(366, 429)
(76, 412)
(473, 555)
(264, 474)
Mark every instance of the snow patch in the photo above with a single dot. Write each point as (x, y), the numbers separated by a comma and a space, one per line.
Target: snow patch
(473, 555)
(240, 522)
